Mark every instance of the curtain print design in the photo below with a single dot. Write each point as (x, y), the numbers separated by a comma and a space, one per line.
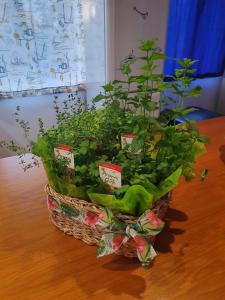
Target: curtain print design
(41, 44)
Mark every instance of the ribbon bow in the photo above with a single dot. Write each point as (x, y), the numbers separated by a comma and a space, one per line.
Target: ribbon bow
(117, 234)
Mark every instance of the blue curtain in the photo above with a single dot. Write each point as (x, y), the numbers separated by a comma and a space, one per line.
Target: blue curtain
(196, 30)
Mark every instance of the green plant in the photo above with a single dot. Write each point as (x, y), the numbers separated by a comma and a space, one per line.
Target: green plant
(151, 165)
(178, 145)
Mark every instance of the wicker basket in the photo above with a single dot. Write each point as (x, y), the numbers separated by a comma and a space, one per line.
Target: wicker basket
(92, 234)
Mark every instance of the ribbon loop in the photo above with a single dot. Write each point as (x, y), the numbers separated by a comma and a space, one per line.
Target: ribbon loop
(148, 224)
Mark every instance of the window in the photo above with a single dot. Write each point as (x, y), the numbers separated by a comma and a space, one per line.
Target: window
(48, 44)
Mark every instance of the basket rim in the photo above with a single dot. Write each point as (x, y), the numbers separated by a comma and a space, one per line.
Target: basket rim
(83, 205)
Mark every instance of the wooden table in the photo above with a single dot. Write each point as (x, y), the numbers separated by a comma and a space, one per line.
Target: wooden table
(37, 261)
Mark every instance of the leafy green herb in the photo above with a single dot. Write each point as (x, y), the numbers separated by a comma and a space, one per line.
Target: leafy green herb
(161, 149)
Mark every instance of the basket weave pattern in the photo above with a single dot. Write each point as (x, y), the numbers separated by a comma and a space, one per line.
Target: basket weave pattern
(92, 234)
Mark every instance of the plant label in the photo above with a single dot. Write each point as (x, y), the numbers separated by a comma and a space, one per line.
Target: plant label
(110, 174)
(127, 139)
(65, 151)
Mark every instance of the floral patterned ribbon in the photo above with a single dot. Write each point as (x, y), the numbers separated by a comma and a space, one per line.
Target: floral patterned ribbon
(117, 233)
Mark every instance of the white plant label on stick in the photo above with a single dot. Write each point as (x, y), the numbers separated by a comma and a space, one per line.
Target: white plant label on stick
(67, 152)
(110, 174)
(127, 139)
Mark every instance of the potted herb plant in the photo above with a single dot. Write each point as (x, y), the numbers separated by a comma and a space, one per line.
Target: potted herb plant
(111, 170)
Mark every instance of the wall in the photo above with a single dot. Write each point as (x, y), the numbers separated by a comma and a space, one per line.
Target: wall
(126, 28)
(130, 28)
(110, 39)
(220, 101)
(213, 94)
(95, 60)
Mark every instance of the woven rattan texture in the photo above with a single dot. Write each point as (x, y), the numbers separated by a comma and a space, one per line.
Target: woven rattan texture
(92, 234)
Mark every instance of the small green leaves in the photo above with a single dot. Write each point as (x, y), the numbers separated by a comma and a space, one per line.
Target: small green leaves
(108, 87)
(99, 97)
(137, 79)
(41, 127)
(83, 169)
(125, 69)
(84, 147)
(195, 92)
(186, 62)
(149, 105)
(148, 45)
(157, 56)
(93, 145)
(186, 111)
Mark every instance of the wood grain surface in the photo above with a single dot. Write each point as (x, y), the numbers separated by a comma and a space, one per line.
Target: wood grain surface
(37, 261)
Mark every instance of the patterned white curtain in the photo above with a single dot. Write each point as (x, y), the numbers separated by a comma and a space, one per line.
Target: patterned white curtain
(41, 44)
